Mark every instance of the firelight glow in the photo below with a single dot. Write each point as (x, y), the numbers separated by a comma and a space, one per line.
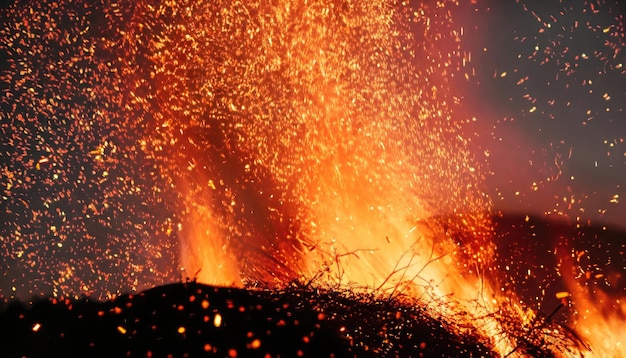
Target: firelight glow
(259, 144)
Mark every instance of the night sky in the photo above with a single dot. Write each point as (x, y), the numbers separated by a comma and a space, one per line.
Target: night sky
(75, 184)
(87, 206)
(549, 97)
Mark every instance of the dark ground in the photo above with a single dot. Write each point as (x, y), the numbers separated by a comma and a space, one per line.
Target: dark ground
(180, 320)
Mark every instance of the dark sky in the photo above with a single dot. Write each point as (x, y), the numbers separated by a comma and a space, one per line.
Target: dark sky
(549, 97)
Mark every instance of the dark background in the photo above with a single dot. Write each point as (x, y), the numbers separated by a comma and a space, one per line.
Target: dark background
(548, 97)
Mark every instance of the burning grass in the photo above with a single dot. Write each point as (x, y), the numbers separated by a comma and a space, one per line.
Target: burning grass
(303, 318)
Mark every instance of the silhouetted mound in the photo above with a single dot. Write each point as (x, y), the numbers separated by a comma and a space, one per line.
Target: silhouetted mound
(191, 319)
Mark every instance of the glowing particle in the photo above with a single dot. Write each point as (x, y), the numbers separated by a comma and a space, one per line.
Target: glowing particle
(232, 353)
(562, 294)
(255, 344)
(217, 320)
(181, 330)
(36, 327)
(121, 329)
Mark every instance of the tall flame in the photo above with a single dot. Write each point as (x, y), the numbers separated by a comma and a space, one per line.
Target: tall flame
(324, 125)
(316, 140)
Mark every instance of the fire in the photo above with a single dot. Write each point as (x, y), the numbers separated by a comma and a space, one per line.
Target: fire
(349, 140)
(603, 330)
(195, 255)
(600, 316)
(318, 142)
(348, 166)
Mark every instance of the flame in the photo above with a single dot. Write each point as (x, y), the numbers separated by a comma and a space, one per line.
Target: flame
(319, 141)
(600, 316)
(604, 331)
(195, 255)
(313, 110)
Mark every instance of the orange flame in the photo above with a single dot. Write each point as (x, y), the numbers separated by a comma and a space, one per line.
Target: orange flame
(319, 140)
(197, 257)
(386, 193)
(600, 318)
